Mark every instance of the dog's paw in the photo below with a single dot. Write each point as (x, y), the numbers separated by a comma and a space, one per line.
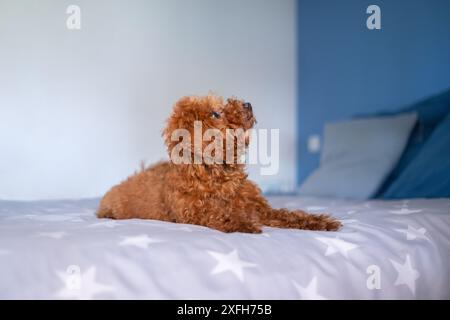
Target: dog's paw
(252, 229)
(330, 223)
(239, 227)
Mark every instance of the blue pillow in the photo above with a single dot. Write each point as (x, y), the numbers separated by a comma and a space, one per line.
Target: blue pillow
(358, 155)
(428, 175)
(430, 112)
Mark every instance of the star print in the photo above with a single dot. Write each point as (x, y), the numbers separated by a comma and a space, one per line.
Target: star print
(337, 245)
(88, 288)
(406, 274)
(108, 224)
(310, 291)
(141, 241)
(413, 233)
(230, 262)
(54, 235)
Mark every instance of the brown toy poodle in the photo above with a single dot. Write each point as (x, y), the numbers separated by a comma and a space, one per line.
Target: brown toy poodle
(214, 194)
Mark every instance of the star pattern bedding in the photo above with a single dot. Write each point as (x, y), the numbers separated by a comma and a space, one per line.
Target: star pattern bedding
(386, 250)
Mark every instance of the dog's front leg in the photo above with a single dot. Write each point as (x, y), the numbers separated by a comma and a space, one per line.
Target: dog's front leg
(233, 222)
(283, 218)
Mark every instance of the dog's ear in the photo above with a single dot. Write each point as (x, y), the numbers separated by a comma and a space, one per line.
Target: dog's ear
(181, 118)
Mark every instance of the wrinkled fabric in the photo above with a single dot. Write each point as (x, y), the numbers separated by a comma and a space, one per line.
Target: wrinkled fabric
(386, 250)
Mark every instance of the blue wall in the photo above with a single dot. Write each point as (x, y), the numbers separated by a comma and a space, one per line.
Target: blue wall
(346, 69)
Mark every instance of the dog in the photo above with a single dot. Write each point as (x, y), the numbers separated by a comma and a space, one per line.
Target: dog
(216, 194)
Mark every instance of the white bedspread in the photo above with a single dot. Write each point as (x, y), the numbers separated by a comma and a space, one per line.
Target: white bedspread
(387, 249)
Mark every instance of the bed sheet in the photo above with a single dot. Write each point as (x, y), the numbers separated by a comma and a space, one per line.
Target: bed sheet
(386, 250)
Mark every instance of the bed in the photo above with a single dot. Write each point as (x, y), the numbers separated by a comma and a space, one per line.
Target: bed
(386, 250)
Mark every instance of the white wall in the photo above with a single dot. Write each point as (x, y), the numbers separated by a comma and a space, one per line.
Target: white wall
(79, 109)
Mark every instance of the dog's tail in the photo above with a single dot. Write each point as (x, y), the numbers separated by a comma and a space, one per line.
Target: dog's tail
(283, 218)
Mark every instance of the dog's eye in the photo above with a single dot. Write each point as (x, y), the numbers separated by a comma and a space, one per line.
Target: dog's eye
(215, 115)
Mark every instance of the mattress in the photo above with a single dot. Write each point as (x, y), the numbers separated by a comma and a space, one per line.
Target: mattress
(386, 250)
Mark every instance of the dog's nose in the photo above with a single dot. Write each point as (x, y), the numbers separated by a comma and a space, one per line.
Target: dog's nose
(248, 105)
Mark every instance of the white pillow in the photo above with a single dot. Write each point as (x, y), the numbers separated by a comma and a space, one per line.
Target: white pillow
(358, 155)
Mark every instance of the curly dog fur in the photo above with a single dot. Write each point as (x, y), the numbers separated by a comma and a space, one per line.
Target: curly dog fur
(216, 195)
